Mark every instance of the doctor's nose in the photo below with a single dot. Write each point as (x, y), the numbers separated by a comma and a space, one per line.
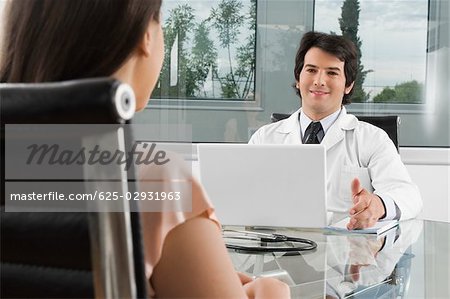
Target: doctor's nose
(319, 79)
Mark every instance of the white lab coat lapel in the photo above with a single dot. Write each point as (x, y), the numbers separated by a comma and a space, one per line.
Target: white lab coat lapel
(336, 132)
(291, 129)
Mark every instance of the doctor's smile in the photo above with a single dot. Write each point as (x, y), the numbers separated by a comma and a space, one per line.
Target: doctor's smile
(319, 93)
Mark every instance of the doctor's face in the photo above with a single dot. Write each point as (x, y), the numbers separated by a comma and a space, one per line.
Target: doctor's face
(322, 84)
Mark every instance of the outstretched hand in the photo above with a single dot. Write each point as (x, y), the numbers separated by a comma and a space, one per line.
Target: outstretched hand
(367, 207)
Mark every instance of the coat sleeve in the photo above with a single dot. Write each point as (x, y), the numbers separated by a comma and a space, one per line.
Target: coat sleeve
(390, 178)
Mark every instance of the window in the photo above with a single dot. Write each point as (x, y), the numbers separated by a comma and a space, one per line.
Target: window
(209, 50)
(405, 53)
(392, 39)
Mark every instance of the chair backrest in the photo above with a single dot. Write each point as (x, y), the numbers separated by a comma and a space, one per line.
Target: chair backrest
(278, 116)
(70, 254)
(389, 123)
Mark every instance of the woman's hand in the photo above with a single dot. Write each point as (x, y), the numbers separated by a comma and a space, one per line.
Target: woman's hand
(244, 278)
(265, 287)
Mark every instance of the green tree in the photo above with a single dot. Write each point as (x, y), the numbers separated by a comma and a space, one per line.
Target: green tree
(385, 96)
(349, 23)
(179, 23)
(246, 55)
(227, 20)
(407, 92)
(204, 57)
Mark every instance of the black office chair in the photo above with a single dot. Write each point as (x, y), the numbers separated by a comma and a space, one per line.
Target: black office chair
(389, 123)
(69, 254)
(274, 117)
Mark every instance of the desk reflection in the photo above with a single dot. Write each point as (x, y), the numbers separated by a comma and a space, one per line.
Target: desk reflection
(367, 266)
(343, 265)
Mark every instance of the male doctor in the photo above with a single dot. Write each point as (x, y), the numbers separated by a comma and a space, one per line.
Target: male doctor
(366, 178)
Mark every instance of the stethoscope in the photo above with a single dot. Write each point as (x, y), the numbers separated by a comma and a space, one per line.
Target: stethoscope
(293, 244)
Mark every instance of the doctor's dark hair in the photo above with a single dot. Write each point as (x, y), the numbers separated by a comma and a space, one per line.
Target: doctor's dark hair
(336, 45)
(55, 40)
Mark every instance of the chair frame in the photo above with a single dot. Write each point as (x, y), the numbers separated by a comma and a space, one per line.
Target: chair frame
(115, 238)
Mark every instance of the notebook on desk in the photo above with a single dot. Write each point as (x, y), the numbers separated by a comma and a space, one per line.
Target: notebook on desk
(265, 185)
(379, 228)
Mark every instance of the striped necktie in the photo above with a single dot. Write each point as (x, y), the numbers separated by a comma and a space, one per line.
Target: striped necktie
(311, 133)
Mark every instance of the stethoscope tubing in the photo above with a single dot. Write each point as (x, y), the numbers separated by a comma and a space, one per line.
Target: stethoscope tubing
(274, 238)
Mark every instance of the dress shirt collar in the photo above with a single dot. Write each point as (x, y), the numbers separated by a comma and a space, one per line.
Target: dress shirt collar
(325, 122)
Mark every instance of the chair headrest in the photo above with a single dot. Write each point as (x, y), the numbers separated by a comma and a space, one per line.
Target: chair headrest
(87, 101)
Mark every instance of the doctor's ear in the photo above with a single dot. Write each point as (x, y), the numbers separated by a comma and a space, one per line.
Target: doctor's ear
(349, 88)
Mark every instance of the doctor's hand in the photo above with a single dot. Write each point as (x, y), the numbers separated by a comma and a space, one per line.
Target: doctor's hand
(367, 207)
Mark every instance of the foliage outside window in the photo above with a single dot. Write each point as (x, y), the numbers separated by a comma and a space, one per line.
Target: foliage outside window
(391, 39)
(209, 50)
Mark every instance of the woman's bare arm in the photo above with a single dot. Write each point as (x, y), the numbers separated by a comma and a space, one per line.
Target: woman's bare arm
(195, 263)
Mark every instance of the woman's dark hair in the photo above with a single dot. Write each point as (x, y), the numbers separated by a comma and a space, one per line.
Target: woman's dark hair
(55, 40)
(336, 45)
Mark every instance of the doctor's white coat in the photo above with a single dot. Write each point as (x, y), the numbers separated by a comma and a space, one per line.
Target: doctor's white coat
(353, 149)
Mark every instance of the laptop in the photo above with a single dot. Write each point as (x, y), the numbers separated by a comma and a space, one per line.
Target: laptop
(265, 185)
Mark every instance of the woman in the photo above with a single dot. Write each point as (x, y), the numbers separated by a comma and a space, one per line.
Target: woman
(50, 40)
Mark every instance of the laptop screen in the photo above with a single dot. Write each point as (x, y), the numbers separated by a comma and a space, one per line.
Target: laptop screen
(265, 185)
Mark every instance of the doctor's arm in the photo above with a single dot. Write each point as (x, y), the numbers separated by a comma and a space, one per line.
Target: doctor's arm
(395, 195)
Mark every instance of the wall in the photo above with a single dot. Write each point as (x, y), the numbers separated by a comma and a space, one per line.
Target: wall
(430, 170)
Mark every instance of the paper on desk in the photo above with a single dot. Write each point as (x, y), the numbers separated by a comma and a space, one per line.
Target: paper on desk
(379, 228)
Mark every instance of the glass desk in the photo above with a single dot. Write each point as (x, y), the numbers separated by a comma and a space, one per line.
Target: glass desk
(411, 261)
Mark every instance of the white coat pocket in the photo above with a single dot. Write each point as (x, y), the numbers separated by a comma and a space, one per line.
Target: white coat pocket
(348, 173)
